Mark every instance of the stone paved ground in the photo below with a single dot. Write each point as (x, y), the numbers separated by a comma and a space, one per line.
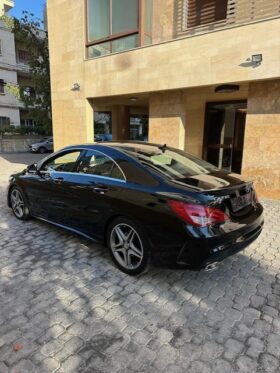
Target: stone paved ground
(65, 308)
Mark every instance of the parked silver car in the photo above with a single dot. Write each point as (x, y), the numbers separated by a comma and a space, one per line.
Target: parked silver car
(43, 146)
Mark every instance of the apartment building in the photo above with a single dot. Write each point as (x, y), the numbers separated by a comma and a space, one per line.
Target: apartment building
(14, 70)
(5, 6)
(199, 75)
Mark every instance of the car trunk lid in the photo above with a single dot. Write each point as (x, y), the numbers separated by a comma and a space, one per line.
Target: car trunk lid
(224, 190)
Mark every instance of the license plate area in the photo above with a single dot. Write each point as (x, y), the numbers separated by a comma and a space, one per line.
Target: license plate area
(238, 203)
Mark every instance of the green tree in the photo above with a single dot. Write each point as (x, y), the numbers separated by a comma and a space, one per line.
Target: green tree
(28, 31)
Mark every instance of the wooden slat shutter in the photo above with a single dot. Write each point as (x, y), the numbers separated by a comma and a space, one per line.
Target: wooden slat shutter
(201, 12)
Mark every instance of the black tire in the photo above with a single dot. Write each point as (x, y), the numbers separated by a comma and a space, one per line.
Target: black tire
(130, 250)
(42, 150)
(22, 211)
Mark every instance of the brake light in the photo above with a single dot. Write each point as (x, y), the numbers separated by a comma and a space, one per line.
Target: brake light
(197, 215)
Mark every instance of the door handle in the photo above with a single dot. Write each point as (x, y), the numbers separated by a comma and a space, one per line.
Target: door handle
(100, 188)
(58, 180)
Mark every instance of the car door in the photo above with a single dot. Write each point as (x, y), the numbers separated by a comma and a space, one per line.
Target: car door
(50, 193)
(98, 188)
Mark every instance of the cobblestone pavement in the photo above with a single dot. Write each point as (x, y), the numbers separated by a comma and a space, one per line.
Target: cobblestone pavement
(65, 308)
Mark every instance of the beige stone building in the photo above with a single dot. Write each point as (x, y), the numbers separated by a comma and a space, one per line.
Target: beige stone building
(200, 75)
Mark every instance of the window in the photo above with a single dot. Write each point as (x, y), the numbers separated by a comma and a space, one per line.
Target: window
(2, 85)
(4, 121)
(117, 25)
(139, 127)
(174, 164)
(94, 163)
(62, 163)
(102, 126)
(201, 12)
(23, 57)
(1, 48)
(28, 122)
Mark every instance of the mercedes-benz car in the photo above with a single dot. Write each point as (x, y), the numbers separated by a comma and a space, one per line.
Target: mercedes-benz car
(143, 201)
(43, 146)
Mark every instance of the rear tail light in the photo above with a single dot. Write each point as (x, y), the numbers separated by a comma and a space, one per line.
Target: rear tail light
(198, 215)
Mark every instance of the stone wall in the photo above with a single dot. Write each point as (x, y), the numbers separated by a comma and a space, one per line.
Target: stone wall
(167, 118)
(16, 145)
(163, 20)
(261, 159)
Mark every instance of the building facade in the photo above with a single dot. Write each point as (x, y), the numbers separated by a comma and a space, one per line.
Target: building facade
(14, 71)
(199, 75)
(5, 6)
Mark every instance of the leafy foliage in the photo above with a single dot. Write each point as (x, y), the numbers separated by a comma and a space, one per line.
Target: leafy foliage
(12, 130)
(28, 32)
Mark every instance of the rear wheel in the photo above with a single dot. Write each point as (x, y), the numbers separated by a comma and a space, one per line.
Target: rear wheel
(128, 246)
(19, 204)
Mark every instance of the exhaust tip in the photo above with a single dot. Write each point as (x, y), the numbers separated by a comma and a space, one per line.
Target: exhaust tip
(211, 267)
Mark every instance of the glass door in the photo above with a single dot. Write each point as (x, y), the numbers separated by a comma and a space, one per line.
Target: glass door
(224, 135)
(102, 126)
(138, 127)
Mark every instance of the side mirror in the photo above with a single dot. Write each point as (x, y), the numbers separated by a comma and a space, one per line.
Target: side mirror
(33, 168)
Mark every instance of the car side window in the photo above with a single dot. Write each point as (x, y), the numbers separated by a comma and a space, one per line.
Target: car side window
(95, 163)
(62, 163)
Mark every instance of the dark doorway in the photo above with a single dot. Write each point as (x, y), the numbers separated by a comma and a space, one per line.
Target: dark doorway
(102, 126)
(224, 134)
(139, 127)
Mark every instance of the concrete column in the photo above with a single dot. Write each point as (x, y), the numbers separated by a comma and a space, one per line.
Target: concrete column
(89, 122)
(120, 122)
(167, 119)
(261, 157)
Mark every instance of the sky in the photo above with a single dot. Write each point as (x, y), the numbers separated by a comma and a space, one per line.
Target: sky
(32, 6)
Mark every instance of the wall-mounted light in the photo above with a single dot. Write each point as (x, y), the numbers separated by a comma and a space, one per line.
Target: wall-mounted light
(133, 99)
(227, 88)
(257, 58)
(76, 87)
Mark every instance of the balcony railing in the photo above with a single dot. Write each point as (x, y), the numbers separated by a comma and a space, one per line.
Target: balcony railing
(197, 16)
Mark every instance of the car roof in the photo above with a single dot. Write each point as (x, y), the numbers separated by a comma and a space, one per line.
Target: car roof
(114, 148)
(117, 145)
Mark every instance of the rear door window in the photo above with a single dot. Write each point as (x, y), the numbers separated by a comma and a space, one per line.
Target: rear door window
(98, 164)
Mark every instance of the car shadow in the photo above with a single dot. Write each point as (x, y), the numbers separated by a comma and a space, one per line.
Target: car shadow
(24, 158)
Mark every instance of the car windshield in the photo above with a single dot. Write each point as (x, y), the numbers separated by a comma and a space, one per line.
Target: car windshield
(174, 164)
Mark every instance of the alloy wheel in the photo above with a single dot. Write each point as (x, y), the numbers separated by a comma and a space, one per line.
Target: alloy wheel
(17, 203)
(126, 246)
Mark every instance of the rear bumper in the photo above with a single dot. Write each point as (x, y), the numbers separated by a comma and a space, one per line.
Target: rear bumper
(198, 255)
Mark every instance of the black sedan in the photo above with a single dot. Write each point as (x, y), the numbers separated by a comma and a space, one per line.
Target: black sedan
(143, 201)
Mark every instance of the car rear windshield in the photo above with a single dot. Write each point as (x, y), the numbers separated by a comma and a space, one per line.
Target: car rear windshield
(173, 163)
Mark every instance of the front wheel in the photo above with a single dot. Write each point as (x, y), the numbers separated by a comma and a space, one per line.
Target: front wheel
(42, 150)
(19, 204)
(128, 246)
